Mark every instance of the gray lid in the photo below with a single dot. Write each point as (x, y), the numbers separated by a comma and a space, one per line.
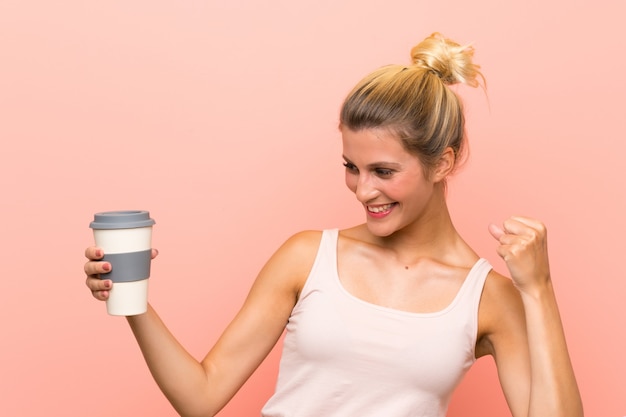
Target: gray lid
(126, 219)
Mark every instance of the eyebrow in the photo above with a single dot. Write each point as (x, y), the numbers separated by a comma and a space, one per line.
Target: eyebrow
(377, 164)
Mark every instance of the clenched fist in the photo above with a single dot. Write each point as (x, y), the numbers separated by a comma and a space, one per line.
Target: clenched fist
(523, 246)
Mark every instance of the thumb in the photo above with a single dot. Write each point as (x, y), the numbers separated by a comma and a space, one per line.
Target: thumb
(496, 231)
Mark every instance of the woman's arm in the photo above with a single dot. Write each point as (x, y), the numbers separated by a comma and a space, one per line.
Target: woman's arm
(554, 390)
(202, 388)
(526, 335)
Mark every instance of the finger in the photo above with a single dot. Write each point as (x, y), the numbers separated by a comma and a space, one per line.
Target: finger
(510, 240)
(528, 230)
(97, 284)
(101, 295)
(94, 253)
(502, 236)
(521, 225)
(496, 231)
(503, 252)
(155, 253)
(100, 289)
(530, 222)
(538, 228)
(94, 269)
(514, 226)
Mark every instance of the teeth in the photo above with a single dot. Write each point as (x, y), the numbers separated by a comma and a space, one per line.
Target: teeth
(379, 209)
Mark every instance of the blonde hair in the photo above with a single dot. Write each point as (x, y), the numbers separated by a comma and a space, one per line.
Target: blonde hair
(415, 102)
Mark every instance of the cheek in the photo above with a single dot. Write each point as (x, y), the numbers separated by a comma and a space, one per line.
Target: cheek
(351, 182)
(405, 190)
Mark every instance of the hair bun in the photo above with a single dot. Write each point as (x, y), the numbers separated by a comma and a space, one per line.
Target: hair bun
(447, 59)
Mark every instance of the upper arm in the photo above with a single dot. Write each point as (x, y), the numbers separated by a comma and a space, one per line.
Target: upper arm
(258, 325)
(502, 333)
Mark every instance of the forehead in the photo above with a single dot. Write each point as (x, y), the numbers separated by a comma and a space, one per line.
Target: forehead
(370, 145)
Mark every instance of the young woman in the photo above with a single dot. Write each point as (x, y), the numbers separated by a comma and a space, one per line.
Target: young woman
(385, 318)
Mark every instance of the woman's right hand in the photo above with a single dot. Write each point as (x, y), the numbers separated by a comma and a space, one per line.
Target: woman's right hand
(95, 268)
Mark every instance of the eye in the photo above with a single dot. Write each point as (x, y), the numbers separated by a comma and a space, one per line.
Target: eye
(382, 172)
(350, 167)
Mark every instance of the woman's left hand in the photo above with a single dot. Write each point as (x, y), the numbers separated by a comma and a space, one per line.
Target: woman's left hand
(524, 248)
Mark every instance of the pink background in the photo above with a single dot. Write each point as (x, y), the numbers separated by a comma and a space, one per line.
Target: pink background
(220, 118)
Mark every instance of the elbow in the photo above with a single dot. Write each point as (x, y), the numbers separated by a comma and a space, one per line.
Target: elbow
(196, 413)
(194, 409)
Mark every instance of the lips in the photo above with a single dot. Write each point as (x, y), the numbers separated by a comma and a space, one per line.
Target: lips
(381, 209)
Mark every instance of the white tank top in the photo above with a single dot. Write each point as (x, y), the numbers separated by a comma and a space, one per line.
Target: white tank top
(345, 357)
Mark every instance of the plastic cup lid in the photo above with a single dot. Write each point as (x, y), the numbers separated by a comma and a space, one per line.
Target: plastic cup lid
(125, 219)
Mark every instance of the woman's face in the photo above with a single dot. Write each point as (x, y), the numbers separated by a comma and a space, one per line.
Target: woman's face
(387, 180)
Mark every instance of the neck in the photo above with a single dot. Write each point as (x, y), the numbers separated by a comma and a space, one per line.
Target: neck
(432, 235)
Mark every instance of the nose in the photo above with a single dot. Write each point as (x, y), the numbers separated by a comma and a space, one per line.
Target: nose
(365, 190)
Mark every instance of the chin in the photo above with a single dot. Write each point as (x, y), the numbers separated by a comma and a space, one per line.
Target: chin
(380, 230)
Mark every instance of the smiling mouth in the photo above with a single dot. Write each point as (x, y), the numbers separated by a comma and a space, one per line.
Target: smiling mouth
(380, 209)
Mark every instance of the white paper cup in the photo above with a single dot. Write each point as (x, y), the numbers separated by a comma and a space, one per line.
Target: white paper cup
(126, 239)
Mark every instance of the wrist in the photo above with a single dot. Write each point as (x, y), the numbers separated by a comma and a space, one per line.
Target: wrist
(537, 292)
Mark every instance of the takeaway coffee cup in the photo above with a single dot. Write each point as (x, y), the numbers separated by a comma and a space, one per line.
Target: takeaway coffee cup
(125, 237)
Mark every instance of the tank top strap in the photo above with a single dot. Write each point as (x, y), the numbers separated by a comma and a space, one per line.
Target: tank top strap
(475, 280)
(325, 260)
(472, 290)
(327, 252)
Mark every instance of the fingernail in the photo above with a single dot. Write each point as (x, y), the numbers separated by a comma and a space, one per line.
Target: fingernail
(98, 253)
(106, 267)
(107, 284)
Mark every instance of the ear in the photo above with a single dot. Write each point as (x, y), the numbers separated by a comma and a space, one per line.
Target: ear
(445, 165)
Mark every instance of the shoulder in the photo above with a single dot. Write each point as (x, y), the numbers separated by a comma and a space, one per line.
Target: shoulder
(293, 260)
(302, 245)
(305, 238)
(501, 314)
(498, 286)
